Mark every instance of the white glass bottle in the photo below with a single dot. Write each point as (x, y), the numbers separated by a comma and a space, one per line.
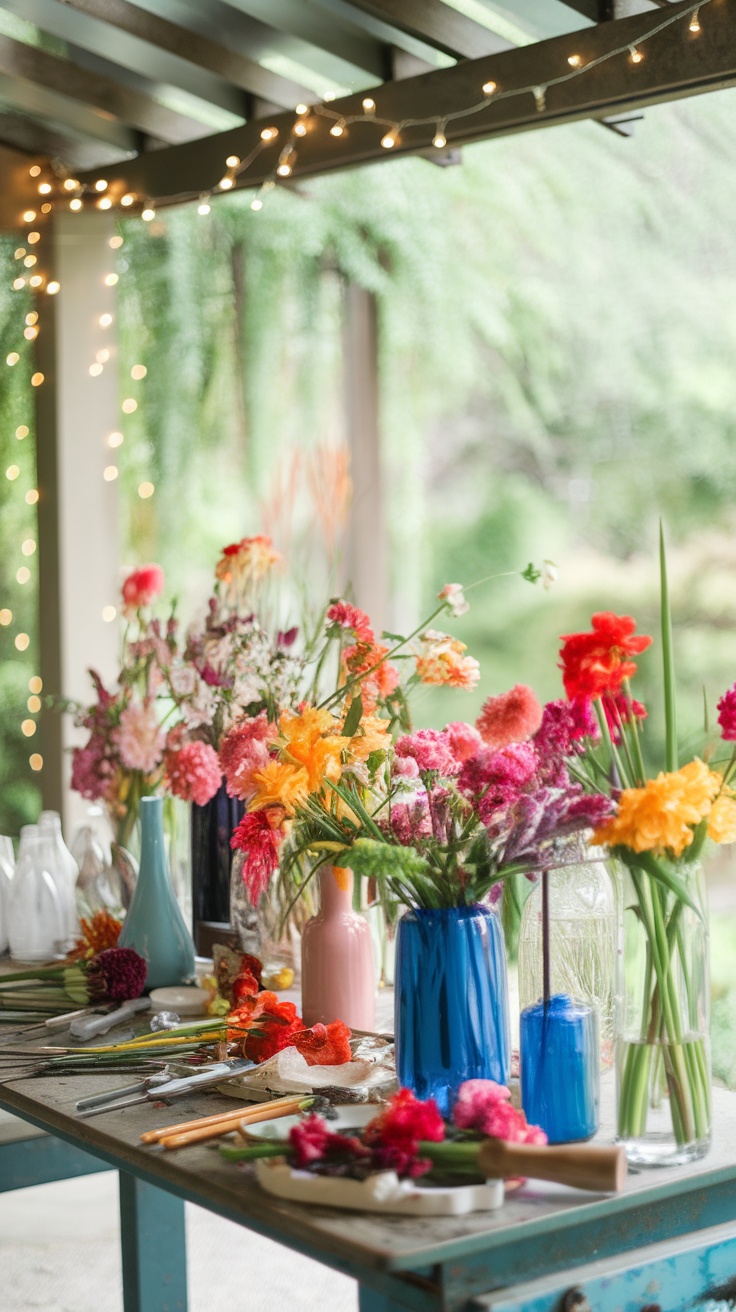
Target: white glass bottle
(7, 868)
(585, 938)
(64, 871)
(36, 921)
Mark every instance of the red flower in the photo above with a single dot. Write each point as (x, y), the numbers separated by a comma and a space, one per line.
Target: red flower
(598, 662)
(271, 1025)
(324, 1045)
(405, 1121)
(193, 772)
(621, 710)
(350, 617)
(313, 1142)
(259, 836)
(143, 586)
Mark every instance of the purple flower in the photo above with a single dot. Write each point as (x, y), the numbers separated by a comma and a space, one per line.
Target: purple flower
(288, 638)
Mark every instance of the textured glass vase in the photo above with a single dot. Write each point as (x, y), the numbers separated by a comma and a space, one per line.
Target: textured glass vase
(154, 925)
(212, 829)
(451, 1001)
(585, 940)
(36, 921)
(663, 1074)
(338, 974)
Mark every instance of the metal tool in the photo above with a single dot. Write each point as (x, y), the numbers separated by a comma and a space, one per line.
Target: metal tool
(89, 1027)
(223, 1070)
(100, 1099)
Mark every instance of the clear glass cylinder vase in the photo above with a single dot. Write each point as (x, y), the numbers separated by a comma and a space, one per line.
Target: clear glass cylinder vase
(585, 937)
(663, 1074)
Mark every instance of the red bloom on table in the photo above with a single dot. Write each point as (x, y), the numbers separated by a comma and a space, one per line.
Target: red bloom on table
(598, 662)
(312, 1142)
(142, 587)
(324, 1045)
(270, 1025)
(404, 1122)
(727, 715)
(193, 772)
(485, 1106)
(259, 835)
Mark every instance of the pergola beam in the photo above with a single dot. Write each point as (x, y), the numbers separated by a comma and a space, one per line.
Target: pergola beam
(676, 64)
(436, 23)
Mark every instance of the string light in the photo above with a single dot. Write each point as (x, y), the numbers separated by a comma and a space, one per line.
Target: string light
(23, 574)
(369, 105)
(269, 134)
(287, 160)
(21, 641)
(115, 439)
(18, 283)
(34, 705)
(116, 242)
(540, 98)
(30, 334)
(635, 55)
(100, 185)
(95, 370)
(110, 473)
(105, 203)
(489, 88)
(256, 203)
(35, 760)
(47, 208)
(338, 129)
(6, 616)
(35, 684)
(203, 208)
(32, 317)
(575, 61)
(53, 287)
(36, 379)
(32, 496)
(75, 204)
(146, 490)
(12, 358)
(28, 547)
(35, 170)
(33, 237)
(138, 371)
(301, 109)
(70, 184)
(111, 279)
(388, 141)
(129, 405)
(226, 183)
(22, 431)
(28, 727)
(30, 260)
(108, 614)
(300, 127)
(105, 320)
(439, 140)
(44, 188)
(35, 281)
(232, 161)
(12, 472)
(148, 213)
(29, 216)
(694, 25)
(102, 356)
(19, 253)
(127, 199)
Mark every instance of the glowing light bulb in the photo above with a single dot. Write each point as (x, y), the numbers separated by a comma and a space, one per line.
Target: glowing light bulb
(300, 128)
(100, 185)
(53, 287)
(29, 216)
(36, 380)
(369, 105)
(127, 199)
(30, 334)
(108, 614)
(635, 56)
(111, 279)
(12, 358)
(35, 281)
(232, 161)
(203, 208)
(34, 705)
(32, 317)
(256, 204)
(47, 208)
(269, 134)
(105, 320)
(148, 213)
(35, 760)
(22, 431)
(6, 616)
(23, 574)
(389, 140)
(145, 490)
(105, 203)
(694, 24)
(21, 641)
(301, 109)
(439, 140)
(35, 170)
(129, 406)
(95, 370)
(70, 184)
(110, 473)
(338, 129)
(18, 283)
(102, 356)
(75, 204)
(44, 188)
(284, 170)
(226, 183)
(575, 61)
(138, 371)
(35, 684)
(19, 253)
(33, 237)
(28, 547)
(489, 88)
(28, 727)
(32, 496)
(115, 242)
(30, 260)
(12, 472)
(115, 439)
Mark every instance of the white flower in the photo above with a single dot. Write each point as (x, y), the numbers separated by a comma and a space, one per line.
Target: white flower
(452, 594)
(550, 574)
(184, 680)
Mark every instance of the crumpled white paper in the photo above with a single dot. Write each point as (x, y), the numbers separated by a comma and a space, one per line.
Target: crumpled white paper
(289, 1072)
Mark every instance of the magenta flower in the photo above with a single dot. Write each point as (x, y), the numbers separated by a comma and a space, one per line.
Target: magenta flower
(431, 749)
(727, 715)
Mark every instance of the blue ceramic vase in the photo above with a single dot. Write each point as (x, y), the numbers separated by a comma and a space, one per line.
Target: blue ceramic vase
(560, 1068)
(154, 925)
(451, 1001)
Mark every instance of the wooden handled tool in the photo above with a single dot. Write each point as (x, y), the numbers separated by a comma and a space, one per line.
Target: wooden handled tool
(582, 1165)
(210, 1127)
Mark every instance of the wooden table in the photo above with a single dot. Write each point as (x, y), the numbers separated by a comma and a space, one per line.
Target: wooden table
(664, 1242)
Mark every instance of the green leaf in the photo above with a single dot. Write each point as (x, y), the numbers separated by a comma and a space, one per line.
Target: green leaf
(353, 717)
(670, 709)
(648, 862)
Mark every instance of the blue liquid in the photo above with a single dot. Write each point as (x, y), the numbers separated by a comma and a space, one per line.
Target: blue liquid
(560, 1068)
(451, 1001)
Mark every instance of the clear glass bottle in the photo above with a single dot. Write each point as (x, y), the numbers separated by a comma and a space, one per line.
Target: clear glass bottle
(36, 922)
(7, 868)
(585, 939)
(64, 871)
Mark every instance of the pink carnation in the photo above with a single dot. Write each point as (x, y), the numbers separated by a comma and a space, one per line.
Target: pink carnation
(140, 738)
(193, 772)
(142, 587)
(484, 1106)
(243, 751)
(465, 741)
(431, 749)
(351, 617)
(404, 767)
(511, 718)
(727, 715)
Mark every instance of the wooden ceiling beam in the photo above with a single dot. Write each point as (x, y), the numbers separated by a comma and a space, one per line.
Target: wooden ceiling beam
(437, 24)
(59, 114)
(676, 64)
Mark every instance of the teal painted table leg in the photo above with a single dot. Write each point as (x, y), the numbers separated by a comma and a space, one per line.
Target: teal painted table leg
(153, 1245)
(369, 1300)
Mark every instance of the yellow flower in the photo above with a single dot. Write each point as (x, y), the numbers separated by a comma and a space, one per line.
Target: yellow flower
(722, 819)
(310, 742)
(661, 816)
(371, 736)
(441, 661)
(279, 784)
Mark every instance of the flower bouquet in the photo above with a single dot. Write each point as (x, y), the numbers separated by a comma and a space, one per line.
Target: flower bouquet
(658, 832)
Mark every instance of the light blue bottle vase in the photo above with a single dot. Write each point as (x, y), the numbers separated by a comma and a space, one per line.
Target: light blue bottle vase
(451, 1001)
(154, 925)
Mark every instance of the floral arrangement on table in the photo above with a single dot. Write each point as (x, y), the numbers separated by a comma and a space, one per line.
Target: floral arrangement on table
(112, 975)
(407, 1136)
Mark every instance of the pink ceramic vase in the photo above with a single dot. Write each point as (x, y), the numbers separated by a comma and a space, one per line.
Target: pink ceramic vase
(338, 981)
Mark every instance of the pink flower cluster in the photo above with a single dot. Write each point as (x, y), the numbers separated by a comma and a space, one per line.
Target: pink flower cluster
(485, 1106)
(510, 718)
(352, 619)
(432, 749)
(139, 737)
(243, 751)
(192, 772)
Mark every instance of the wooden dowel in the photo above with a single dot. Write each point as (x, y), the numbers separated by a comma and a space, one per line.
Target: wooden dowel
(584, 1166)
(224, 1127)
(245, 1113)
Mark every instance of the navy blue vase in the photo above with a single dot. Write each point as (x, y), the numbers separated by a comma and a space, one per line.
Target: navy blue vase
(451, 1001)
(212, 828)
(560, 1068)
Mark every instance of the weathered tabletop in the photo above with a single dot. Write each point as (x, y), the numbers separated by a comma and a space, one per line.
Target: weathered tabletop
(425, 1263)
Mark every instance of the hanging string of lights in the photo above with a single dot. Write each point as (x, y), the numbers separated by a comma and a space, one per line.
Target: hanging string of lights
(392, 132)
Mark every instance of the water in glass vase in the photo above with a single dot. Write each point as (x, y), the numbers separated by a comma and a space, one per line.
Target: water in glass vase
(664, 1101)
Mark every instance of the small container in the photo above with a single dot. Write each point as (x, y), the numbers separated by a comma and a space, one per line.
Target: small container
(560, 1068)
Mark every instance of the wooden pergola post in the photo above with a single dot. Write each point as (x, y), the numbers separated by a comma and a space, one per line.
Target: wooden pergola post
(76, 412)
(367, 554)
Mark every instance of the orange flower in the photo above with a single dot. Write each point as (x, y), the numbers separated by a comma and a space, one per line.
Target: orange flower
(441, 661)
(279, 784)
(722, 818)
(312, 743)
(247, 562)
(660, 817)
(371, 736)
(101, 931)
(380, 677)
